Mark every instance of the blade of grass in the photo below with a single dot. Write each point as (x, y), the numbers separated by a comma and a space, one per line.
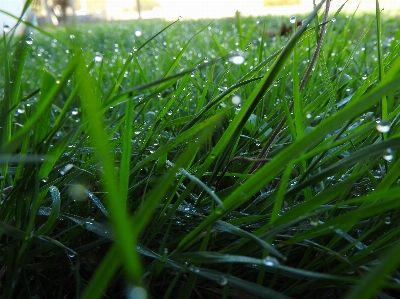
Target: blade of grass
(371, 284)
(125, 238)
(55, 210)
(271, 169)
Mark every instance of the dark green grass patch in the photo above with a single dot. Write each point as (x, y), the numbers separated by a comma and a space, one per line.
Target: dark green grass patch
(201, 159)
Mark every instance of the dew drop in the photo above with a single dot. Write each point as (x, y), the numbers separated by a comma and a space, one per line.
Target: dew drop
(194, 269)
(333, 20)
(21, 109)
(364, 77)
(383, 126)
(71, 36)
(237, 59)
(75, 111)
(236, 100)
(138, 33)
(292, 19)
(71, 254)
(98, 57)
(275, 83)
(29, 40)
(222, 280)
(180, 18)
(205, 60)
(6, 28)
(308, 115)
(270, 261)
(388, 154)
(66, 168)
(388, 220)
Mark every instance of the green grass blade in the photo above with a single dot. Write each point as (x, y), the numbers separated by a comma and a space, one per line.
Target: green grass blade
(383, 104)
(125, 238)
(41, 110)
(271, 169)
(371, 284)
(126, 153)
(55, 210)
(104, 273)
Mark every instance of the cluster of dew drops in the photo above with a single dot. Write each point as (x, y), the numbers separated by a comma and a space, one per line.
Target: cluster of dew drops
(383, 126)
(6, 29)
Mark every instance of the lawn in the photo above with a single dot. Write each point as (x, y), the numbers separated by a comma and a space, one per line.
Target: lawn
(202, 159)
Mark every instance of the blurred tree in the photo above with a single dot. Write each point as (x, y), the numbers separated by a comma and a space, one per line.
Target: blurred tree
(56, 10)
(138, 8)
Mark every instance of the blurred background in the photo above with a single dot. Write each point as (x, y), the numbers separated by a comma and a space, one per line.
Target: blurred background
(58, 12)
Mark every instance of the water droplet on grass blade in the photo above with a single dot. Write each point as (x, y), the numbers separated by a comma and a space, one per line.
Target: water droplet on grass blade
(138, 33)
(270, 261)
(388, 220)
(66, 168)
(71, 254)
(333, 20)
(383, 126)
(21, 109)
(98, 57)
(236, 100)
(292, 19)
(388, 154)
(237, 59)
(6, 28)
(29, 40)
(364, 77)
(194, 268)
(222, 280)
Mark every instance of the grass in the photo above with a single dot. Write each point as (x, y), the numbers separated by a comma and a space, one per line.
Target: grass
(130, 169)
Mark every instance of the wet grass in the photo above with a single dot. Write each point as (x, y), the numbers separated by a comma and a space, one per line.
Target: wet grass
(201, 159)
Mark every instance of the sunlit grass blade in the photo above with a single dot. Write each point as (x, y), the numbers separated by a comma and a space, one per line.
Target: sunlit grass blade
(126, 242)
